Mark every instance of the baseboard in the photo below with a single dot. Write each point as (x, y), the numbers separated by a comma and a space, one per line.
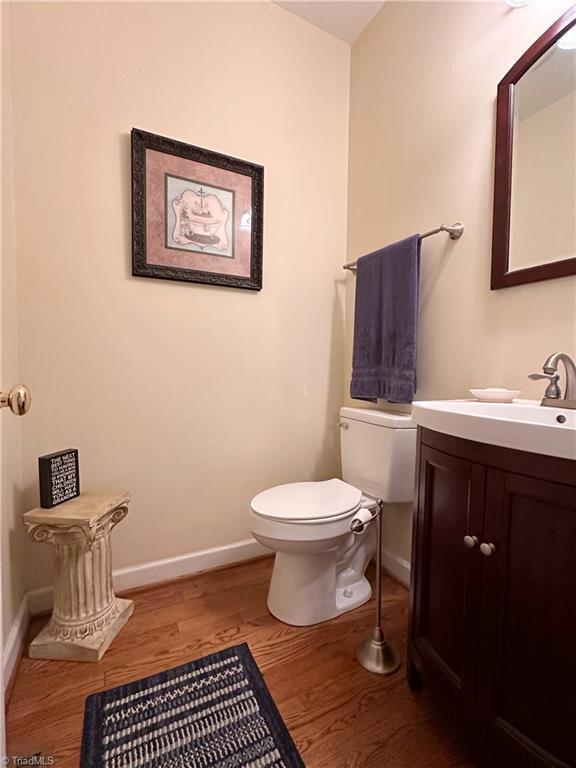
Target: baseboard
(15, 642)
(40, 600)
(397, 567)
(183, 565)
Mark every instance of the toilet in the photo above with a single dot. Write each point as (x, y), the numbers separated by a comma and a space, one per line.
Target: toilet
(319, 565)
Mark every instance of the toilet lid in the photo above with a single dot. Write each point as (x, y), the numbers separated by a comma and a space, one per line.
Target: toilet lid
(307, 501)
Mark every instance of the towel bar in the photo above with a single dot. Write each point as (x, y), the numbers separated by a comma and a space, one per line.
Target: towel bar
(455, 231)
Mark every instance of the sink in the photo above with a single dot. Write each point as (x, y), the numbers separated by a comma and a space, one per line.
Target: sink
(523, 424)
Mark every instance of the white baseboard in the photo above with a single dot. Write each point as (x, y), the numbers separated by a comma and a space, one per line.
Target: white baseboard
(15, 640)
(40, 600)
(397, 567)
(183, 565)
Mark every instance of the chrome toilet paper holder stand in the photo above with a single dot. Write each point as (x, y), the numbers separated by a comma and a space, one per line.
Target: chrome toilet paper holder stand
(375, 653)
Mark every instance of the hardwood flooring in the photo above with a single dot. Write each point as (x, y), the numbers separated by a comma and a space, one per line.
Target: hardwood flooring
(339, 715)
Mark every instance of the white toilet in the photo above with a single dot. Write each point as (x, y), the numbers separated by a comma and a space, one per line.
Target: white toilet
(319, 565)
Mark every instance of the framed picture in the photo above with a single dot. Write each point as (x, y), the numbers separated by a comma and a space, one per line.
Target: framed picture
(196, 214)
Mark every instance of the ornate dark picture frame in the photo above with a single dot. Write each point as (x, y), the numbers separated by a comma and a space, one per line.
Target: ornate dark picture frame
(501, 275)
(197, 215)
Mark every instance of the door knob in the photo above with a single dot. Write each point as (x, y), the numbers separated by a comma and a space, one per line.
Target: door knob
(470, 541)
(487, 549)
(18, 399)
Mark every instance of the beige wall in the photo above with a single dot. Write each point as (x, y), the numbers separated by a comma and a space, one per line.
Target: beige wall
(11, 530)
(193, 397)
(423, 86)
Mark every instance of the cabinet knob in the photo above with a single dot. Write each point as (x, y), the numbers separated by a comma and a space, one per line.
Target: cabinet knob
(487, 549)
(470, 541)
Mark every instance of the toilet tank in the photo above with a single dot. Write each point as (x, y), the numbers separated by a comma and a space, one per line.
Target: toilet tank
(378, 450)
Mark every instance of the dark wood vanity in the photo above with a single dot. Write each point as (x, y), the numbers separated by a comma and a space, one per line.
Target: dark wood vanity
(493, 602)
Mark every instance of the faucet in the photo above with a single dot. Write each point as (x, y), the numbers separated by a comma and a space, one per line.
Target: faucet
(553, 395)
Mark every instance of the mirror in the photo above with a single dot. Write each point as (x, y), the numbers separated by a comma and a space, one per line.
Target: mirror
(534, 230)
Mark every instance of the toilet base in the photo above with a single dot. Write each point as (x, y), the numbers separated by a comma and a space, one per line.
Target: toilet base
(352, 596)
(307, 590)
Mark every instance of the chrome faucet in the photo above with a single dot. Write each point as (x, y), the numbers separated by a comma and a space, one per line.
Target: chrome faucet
(553, 395)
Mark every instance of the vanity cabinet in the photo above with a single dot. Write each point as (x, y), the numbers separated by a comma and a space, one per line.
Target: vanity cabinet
(493, 604)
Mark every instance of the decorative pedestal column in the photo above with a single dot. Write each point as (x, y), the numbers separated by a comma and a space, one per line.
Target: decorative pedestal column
(87, 615)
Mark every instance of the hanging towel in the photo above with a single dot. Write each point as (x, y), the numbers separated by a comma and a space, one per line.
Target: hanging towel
(386, 323)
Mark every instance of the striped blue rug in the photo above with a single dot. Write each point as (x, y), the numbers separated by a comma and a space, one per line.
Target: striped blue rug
(215, 712)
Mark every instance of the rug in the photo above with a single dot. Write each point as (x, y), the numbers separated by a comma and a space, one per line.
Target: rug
(215, 712)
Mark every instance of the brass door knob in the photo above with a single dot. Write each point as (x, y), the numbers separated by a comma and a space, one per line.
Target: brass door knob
(470, 541)
(18, 399)
(487, 549)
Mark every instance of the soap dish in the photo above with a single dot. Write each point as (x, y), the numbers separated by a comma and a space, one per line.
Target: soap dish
(495, 394)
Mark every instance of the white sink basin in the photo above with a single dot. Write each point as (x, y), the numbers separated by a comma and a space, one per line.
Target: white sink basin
(524, 424)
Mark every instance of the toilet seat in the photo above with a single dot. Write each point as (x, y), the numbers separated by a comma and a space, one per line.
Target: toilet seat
(308, 502)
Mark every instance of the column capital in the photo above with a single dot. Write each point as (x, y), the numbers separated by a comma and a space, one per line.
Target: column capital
(90, 515)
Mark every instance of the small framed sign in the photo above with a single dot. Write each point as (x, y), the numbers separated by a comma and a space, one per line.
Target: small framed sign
(59, 477)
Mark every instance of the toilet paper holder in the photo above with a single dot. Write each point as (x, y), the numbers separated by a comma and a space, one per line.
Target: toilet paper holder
(375, 653)
(359, 526)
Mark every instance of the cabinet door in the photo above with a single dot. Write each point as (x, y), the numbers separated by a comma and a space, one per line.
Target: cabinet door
(527, 655)
(447, 573)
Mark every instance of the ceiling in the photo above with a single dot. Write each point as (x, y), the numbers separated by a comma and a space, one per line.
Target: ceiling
(345, 19)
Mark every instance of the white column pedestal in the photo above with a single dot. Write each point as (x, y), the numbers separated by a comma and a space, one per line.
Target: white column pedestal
(87, 615)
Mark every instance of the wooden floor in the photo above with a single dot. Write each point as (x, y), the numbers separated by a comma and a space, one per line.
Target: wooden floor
(339, 715)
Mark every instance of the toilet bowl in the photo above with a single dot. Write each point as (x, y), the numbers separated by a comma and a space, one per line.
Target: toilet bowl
(319, 565)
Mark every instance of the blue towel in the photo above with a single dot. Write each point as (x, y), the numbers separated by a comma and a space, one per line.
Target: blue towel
(386, 323)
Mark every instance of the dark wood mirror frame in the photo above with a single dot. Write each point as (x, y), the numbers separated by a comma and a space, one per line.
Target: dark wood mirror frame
(501, 276)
